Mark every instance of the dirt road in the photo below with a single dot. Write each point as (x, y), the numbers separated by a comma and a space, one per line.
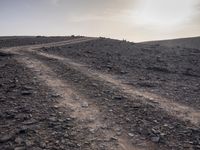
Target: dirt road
(55, 102)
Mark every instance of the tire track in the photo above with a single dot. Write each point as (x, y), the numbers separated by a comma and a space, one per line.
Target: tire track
(16, 49)
(88, 117)
(175, 109)
(70, 100)
(123, 111)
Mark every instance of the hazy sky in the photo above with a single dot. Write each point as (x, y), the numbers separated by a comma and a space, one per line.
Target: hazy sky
(134, 20)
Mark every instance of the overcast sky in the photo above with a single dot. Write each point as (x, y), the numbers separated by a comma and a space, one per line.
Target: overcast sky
(134, 20)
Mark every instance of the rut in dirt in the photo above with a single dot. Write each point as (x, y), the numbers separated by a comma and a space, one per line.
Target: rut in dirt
(86, 114)
(173, 108)
(140, 120)
(90, 121)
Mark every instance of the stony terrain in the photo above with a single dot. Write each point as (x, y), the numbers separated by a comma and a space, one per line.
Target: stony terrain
(184, 42)
(97, 93)
(172, 72)
(24, 40)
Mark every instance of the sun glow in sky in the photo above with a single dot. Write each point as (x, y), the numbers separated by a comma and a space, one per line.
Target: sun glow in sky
(164, 12)
(134, 20)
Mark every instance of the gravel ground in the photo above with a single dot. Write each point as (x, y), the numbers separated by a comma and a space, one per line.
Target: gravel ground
(143, 123)
(29, 119)
(171, 72)
(88, 97)
(20, 41)
(193, 42)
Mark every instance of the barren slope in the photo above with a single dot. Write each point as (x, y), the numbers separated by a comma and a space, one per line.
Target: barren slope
(88, 93)
(24, 40)
(193, 42)
(171, 72)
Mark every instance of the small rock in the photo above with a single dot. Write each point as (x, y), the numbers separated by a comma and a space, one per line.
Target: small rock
(97, 95)
(27, 88)
(60, 120)
(57, 142)
(92, 131)
(84, 104)
(118, 129)
(155, 131)
(23, 129)
(119, 133)
(20, 148)
(26, 92)
(53, 119)
(55, 106)
(95, 84)
(91, 119)
(6, 138)
(123, 72)
(155, 139)
(29, 143)
(117, 97)
(22, 117)
(43, 145)
(68, 119)
(19, 140)
(165, 125)
(55, 95)
(137, 105)
(131, 134)
(113, 138)
(127, 119)
(66, 135)
(9, 115)
(29, 122)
